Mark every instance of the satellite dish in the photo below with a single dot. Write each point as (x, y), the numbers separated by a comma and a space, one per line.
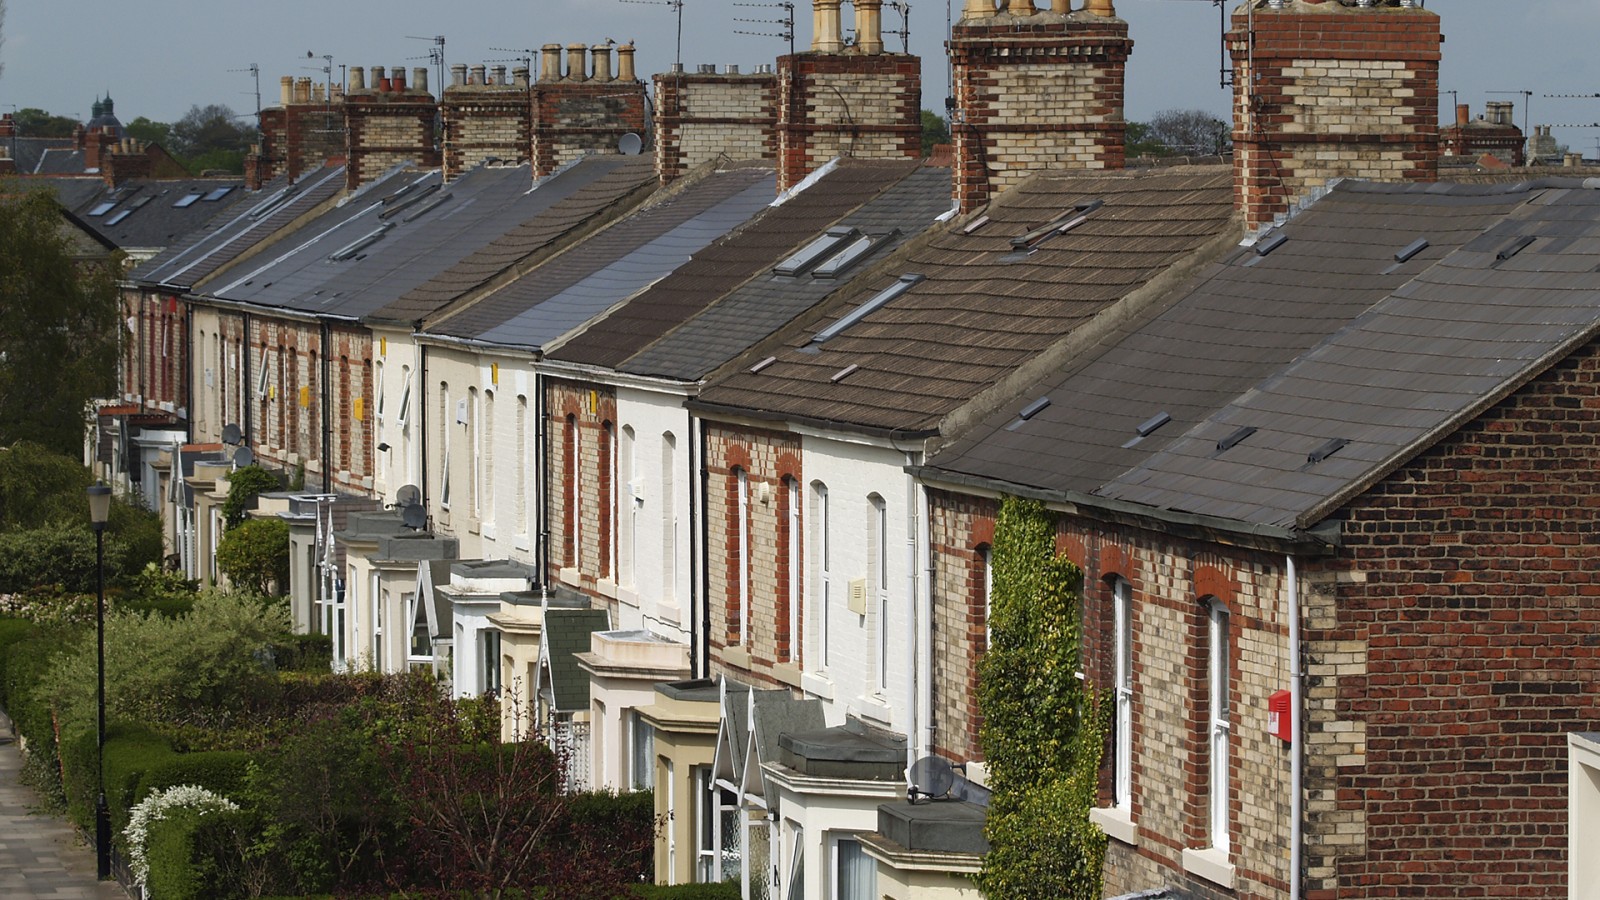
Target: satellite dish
(243, 457)
(630, 144)
(232, 435)
(413, 516)
(931, 777)
(409, 495)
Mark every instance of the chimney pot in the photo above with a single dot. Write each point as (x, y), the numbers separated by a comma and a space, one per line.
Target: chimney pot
(1105, 9)
(625, 70)
(550, 62)
(869, 26)
(397, 81)
(358, 78)
(978, 9)
(458, 74)
(577, 62)
(478, 75)
(285, 90)
(706, 69)
(380, 82)
(732, 69)
(519, 76)
(1463, 114)
(500, 75)
(419, 79)
(302, 91)
(602, 61)
(1020, 8)
(826, 28)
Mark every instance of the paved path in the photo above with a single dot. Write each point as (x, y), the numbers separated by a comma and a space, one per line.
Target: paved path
(40, 856)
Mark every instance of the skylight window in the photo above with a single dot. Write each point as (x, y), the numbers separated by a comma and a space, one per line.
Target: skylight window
(119, 217)
(103, 208)
(186, 201)
(853, 252)
(139, 202)
(1513, 248)
(217, 194)
(1269, 244)
(815, 252)
(1061, 224)
(395, 209)
(1148, 427)
(1233, 440)
(867, 308)
(1326, 450)
(1411, 249)
(350, 250)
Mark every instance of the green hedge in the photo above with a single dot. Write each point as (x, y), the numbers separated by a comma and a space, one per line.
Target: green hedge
(12, 632)
(303, 653)
(139, 761)
(726, 890)
(195, 856)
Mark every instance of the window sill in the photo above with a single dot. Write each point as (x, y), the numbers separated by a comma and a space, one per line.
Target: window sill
(875, 709)
(817, 685)
(488, 532)
(1210, 864)
(607, 588)
(788, 673)
(571, 576)
(519, 542)
(668, 612)
(736, 658)
(1117, 823)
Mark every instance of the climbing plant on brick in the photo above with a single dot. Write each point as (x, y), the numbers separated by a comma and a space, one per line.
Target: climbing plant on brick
(1043, 728)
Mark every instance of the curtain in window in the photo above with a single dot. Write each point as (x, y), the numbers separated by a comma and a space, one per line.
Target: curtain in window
(858, 872)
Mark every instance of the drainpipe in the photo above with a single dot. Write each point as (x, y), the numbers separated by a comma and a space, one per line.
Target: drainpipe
(698, 442)
(913, 617)
(926, 648)
(327, 420)
(542, 464)
(422, 428)
(188, 373)
(696, 670)
(1296, 746)
(247, 398)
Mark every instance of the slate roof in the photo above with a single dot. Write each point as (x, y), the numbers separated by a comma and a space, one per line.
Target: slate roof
(252, 220)
(1326, 339)
(28, 152)
(566, 634)
(607, 268)
(985, 307)
(570, 200)
(394, 234)
(766, 302)
(143, 213)
(725, 264)
(66, 159)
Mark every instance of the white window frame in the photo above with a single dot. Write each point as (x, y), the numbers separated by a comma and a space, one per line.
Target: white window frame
(612, 495)
(743, 553)
(1122, 630)
(641, 756)
(486, 491)
(1219, 677)
(630, 496)
(575, 510)
(475, 442)
(878, 575)
(444, 439)
(835, 889)
(822, 554)
(522, 504)
(669, 518)
(796, 582)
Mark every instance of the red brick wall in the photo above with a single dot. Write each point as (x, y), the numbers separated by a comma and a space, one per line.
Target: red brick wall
(1035, 95)
(769, 459)
(1473, 600)
(846, 104)
(573, 118)
(155, 356)
(591, 408)
(1346, 93)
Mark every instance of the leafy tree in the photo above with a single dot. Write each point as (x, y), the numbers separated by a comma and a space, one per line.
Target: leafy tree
(210, 136)
(58, 320)
(45, 536)
(935, 130)
(1043, 729)
(34, 122)
(244, 484)
(150, 132)
(255, 555)
(1189, 132)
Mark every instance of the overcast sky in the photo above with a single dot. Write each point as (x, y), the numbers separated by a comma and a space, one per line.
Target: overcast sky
(157, 58)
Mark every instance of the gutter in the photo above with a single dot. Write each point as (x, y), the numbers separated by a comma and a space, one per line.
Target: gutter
(740, 412)
(1182, 524)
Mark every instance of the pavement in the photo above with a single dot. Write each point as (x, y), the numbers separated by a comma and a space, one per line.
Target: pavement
(41, 856)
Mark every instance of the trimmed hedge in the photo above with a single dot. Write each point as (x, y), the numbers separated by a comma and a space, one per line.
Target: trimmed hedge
(12, 632)
(139, 761)
(311, 653)
(193, 856)
(725, 890)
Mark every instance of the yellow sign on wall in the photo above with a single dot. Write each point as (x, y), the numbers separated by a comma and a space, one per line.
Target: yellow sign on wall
(305, 397)
(358, 408)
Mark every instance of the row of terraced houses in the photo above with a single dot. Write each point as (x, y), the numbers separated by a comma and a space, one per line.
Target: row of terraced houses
(686, 432)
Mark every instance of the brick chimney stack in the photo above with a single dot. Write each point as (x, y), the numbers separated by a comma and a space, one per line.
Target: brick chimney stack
(1330, 91)
(855, 101)
(1035, 90)
(700, 116)
(387, 124)
(485, 118)
(301, 133)
(577, 112)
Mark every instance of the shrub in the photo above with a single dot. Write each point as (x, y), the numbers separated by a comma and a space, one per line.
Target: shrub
(54, 554)
(195, 855)
(244, 485)
(303, 653)
(205, 669)
(12, 632)
(159, 806)
(255, 555)
(725, 890)
(153, 589)
(627, 820)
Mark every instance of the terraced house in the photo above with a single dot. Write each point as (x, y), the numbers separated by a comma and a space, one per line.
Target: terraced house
(690, 443)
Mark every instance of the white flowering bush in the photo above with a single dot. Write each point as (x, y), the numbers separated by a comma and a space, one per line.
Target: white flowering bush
(157, 806)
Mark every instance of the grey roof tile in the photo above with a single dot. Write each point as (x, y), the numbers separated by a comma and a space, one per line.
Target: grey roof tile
(607, 268)
(1386, 364)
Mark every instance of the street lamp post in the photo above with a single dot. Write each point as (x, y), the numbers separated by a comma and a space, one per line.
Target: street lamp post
(99, 512)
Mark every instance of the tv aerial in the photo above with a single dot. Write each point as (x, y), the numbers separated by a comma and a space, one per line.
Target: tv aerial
(904, 9)
(435, 54)
(677, 8)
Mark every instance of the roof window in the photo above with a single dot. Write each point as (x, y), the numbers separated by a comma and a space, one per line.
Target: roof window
(217, 194)
(186, 201)
(876, 302)
(103, 208)
(852, 252)
(350, 250)
(808, 256)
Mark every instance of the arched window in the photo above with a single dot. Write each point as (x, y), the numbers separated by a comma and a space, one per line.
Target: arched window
(741, 554)
(1122, 685)
(1219, 683)
(821, 562)
(788, 589)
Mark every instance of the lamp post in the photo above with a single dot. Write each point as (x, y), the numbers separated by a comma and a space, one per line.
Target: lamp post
(99, 511)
